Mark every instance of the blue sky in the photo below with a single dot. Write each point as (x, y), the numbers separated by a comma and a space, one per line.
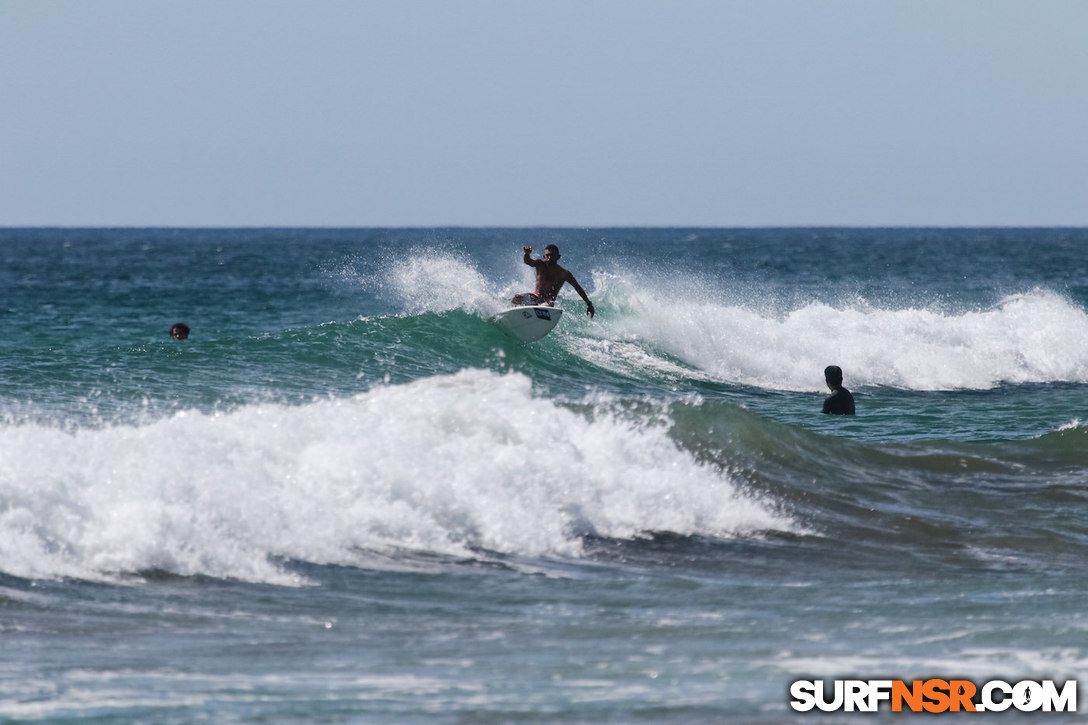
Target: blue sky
(508, 113)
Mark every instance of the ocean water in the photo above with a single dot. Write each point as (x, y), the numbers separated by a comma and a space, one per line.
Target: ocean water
(349, 497)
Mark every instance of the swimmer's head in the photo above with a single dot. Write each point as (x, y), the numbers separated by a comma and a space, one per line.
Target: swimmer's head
(833, 375)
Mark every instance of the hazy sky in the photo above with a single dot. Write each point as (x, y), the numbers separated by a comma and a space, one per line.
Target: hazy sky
(557, 112)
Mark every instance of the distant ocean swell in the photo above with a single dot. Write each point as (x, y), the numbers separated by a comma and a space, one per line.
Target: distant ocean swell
(927, 495)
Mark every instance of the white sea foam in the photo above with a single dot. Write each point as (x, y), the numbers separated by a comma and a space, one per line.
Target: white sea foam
(648, 323)
(1033, 337)
(441, 281)
(449, 464)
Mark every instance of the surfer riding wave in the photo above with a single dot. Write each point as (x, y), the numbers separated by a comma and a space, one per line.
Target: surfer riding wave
(550, 277)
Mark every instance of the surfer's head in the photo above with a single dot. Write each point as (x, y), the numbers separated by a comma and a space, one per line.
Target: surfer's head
(180, 331)
(833, 375)
(551, 253)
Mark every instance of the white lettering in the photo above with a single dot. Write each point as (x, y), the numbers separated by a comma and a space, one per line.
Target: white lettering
(1064, 701)
(804, 695)
(879, 690)
(988, 702)
(1027, 696)
(821, 699)
(994, 696)
(856, 695)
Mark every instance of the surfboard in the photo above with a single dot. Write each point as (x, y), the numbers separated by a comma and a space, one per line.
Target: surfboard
(529, 323)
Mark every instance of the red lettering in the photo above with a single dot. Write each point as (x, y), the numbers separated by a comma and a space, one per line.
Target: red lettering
(935, 691)
(911, 695)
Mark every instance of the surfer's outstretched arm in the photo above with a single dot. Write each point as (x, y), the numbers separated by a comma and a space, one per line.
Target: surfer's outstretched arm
(578, 288)
(527, 259)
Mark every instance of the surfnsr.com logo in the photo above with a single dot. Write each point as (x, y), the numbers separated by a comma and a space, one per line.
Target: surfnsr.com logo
(933, 695)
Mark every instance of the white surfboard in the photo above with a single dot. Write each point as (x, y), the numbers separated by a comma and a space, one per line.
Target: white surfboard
(530, 322)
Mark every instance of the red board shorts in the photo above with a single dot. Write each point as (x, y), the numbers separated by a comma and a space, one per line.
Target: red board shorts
(529, 298)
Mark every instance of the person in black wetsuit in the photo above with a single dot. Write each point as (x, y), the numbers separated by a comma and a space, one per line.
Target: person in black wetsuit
(840, 402)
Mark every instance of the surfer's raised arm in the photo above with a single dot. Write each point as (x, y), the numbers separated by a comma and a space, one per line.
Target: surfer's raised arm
(526, 258)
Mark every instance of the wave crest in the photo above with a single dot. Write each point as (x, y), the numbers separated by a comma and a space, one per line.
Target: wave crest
(1035, 337)
(451, 465)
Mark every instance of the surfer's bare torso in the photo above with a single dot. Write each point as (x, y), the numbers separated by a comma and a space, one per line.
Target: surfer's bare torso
(550, 278)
